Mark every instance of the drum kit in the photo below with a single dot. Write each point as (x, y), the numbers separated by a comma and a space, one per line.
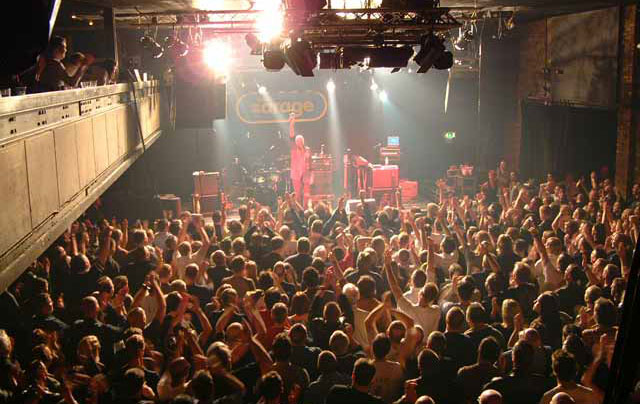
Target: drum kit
(263, 182)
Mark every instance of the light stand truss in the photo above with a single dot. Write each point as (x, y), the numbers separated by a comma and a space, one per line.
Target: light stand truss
(324, 28)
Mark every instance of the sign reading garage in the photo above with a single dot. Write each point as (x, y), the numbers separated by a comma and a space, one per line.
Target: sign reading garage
(255, 108)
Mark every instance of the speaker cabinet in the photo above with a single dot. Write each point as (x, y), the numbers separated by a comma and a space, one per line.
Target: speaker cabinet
(206, 183)
(200, 98)
(321, 182)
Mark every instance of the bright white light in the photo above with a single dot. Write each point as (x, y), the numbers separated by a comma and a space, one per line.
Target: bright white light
(262, 90)
(217, 55)
(270, 21)
(331, 86)
(383, 96)
(374, 86)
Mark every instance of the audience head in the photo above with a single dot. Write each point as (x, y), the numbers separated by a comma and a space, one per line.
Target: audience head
(428, 363)
(562, 398)
(488, 350)
(363, 372)
(490, 397)
(271, 386)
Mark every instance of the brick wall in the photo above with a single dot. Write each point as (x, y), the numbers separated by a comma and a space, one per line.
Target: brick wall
(627, 151)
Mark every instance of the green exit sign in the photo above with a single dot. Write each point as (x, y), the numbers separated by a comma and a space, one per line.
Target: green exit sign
(449, 136)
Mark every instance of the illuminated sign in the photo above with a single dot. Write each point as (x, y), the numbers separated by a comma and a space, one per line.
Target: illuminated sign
(255, 108)
(449, 136)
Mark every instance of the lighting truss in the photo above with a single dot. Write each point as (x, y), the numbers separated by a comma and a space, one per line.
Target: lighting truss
(325, 28)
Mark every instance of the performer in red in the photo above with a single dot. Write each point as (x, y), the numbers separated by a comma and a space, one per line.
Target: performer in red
(300, 160)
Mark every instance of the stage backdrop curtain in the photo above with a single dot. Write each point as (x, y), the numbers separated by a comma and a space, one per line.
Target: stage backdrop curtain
(562, 139)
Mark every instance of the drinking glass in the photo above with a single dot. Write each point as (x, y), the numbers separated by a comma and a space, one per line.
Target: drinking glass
(5, 92)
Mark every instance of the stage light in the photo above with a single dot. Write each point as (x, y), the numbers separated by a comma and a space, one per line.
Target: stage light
(383, 96)
(300, 57)
(270, 21)
(254, 44)
(331, 86)
(149, 44)
(273, 58)
(217, 56)
(390, 56)
(175, 46)
(262, 90)
(433, 54)
(465, 35)
(373, 86)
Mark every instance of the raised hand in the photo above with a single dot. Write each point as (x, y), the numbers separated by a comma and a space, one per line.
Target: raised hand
(342, 202)
(387, 259)
(518, 322)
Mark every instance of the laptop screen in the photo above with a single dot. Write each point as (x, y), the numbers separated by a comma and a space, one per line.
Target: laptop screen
(393, 140)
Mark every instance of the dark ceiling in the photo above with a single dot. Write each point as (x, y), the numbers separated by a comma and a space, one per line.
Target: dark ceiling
(534, 6)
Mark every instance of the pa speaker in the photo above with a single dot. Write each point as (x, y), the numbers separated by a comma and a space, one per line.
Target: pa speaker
(200, 98)
(199, 104)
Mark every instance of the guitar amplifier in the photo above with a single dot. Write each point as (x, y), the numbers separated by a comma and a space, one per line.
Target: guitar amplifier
(171, 203)
(408, 190)
(207, 204)
(205, 183)
(385, 176)
(322, 162)
(321, 182)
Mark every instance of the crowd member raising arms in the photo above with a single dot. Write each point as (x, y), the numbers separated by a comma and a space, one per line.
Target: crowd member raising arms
(494, 298)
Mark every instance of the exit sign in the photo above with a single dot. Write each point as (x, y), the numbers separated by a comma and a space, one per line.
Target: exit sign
(449, 136)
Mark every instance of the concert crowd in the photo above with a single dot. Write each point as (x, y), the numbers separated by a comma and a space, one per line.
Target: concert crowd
(512, 295)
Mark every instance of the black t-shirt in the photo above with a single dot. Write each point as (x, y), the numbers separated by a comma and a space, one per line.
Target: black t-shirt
(136, 272)
(203, 293)
(460, 349)
(106, 333)
(568, 297)
(506, 332)
(321, 332)
(307, 358)
(478, 335)
(48, 323)
(521, 389)
(348, 395)
(216, 274)
(267, 261)
(438, 387)
(507, 261)
(355, 276)
(525, 295)
(299, 262)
